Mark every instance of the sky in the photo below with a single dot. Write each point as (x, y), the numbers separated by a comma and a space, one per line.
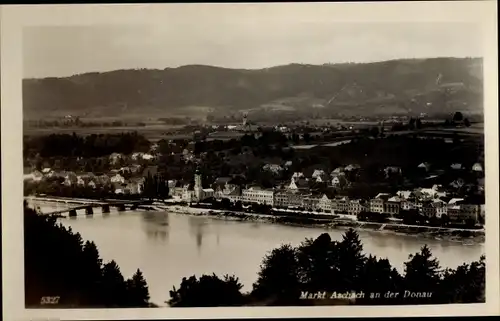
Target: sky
(248, 41)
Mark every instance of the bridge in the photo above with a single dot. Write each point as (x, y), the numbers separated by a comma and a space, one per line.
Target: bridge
(89, 205)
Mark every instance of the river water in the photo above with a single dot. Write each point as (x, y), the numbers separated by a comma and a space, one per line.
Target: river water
(167, 247)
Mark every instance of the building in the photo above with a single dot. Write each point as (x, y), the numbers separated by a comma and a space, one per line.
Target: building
(357, 206)
(114, 158)
(35, 176)
(407, 205)
(392, 206)
(322, 178)
(103, 180)
(288, 199)
(441, 208)
(428, 209)
(392, 170)
(70, 179)
(477, 167)
(317, 173)
(337, 171)
(298, 184)
(135, 186)
(377, 203)
(339, 182)
(117, 178)
(470, 209)
(200, 193)
(325, 204)
(298, 175)
(147, 157)
(311, 203)
(458, 183)
(258, 195)
(341, 205)
(351, 167)
(273, 168)
(405, 194)
(454, 214)
(425, 166)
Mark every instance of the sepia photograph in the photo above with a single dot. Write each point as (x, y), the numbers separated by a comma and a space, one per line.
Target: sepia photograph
(239, 156)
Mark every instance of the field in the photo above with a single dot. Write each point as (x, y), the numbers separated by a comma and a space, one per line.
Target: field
(155, 131)
(151, 132)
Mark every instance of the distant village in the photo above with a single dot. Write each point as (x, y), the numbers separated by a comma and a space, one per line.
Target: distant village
(295, 194)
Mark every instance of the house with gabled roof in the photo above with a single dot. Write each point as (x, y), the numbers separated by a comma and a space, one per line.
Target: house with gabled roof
(352, 167)
(425, 166)
(298, 183)
(405, 194)
(298, 175)
(323, 178)
(70, 179)
(317, 173)
(337, 171)
(477, 167)
(340, 182)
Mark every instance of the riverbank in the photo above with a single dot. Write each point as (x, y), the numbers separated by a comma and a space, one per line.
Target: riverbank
(338, 221)
(465, 236)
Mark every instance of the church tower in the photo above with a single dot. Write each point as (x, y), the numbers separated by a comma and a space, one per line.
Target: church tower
(198, 187)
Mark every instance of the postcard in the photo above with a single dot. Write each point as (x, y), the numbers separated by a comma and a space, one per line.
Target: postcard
(249, 160)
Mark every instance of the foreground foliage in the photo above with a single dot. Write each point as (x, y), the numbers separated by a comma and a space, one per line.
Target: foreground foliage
(59, 264)
(341, 266)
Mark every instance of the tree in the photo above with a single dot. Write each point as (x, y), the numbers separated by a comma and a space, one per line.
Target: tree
(374, 132)
(465, 284)
(307, 137)
(138, 292)
(466, 122)
(322, 264)
(458, 117)
(418, 124)
(318, 263)
(58, 263)
(278, 277)
(411, 124)
(208, 291)
(351, 259)
(421, 272)
(377, 275)
(114, 289)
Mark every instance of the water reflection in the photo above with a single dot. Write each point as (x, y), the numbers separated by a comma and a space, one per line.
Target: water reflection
(156, 225)
(197, 228)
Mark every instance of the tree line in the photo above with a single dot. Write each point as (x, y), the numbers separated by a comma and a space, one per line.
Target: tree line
(323, 264)
(58, 263)
(95, 145)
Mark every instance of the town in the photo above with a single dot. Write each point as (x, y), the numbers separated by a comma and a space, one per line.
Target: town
(273, 170)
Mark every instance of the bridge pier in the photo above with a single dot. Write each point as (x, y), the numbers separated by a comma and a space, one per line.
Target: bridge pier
(89, 210)
(72, 213)
(105, 209)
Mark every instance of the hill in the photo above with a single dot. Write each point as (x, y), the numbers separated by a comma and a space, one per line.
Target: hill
(390, 87)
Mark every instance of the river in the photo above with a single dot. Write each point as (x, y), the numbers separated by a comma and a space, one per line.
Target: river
(167, 247)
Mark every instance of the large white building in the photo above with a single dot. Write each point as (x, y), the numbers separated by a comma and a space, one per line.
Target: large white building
(258, 195)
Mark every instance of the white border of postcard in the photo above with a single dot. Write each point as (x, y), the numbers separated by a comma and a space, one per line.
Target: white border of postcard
(13, 18)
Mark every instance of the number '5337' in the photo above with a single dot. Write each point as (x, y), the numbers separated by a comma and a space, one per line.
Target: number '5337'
(49, 300)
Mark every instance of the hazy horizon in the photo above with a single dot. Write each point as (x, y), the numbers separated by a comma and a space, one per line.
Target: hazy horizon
(256, 69)
(241, 41)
